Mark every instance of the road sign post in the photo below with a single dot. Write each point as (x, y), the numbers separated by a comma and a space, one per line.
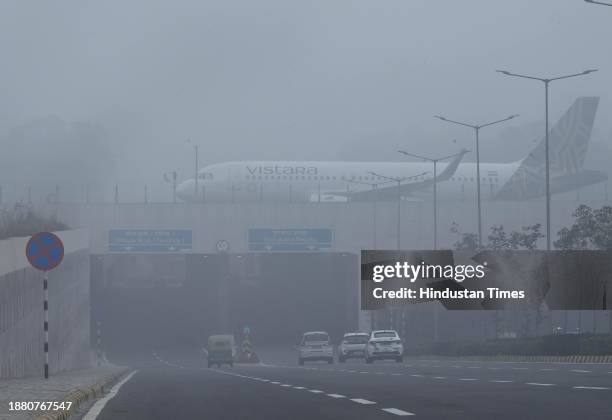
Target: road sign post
(45, 251)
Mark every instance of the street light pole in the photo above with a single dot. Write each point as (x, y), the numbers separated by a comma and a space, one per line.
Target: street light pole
(374, 186)
(546, 82)
(399, 181)
(435, 185)
(476, 128)
(196, 171)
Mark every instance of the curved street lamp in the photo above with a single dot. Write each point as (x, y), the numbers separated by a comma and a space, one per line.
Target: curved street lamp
(546, 82)
(435, 183)
(399, 181)
(476, 128)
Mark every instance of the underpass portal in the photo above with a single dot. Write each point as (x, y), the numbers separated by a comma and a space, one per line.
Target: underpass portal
(149, 301)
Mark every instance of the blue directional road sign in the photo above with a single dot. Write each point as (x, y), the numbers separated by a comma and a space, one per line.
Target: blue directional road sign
(150, 240)
(290, 239)
(45, 251)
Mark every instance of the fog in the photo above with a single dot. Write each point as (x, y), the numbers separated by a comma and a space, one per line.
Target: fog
(277, 79)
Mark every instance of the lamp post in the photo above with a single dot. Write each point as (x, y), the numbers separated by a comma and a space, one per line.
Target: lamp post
(195, 178)
(546, 82)
(171, 178)
(399, 181)
(374, 186)
(476, 128)
(435, 184)
(196, 171)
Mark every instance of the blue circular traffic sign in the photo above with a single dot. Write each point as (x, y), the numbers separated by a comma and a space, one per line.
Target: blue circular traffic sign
(45, 251)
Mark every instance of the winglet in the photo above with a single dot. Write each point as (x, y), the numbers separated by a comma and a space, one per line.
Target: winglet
(450, 169)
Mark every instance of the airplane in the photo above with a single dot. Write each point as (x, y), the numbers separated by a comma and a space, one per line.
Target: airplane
(321, 181)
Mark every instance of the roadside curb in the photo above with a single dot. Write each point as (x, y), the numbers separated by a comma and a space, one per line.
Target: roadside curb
(541, 359)
(80, 395)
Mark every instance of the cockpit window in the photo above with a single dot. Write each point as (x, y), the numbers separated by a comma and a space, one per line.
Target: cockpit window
(205, 175)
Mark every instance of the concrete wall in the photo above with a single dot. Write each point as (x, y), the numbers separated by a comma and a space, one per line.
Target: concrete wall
(351, 222)
(21, 309)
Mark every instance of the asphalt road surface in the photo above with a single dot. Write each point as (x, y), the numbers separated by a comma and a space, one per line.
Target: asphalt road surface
(178, 385)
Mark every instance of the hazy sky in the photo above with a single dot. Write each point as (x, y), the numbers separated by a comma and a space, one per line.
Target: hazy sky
(281, 79)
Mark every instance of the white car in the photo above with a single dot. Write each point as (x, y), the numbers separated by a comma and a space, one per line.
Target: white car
(315, 345)
(353, 345)
(384, 344)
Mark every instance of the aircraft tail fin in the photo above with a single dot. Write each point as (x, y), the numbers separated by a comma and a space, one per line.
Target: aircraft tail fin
(568, 142)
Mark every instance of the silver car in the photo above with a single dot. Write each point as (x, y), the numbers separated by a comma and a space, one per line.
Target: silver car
(385, 344)
(315, 345)
(353, 345)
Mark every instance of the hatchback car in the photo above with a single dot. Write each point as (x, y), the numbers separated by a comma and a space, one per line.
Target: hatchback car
(353, 345)
(315, 345)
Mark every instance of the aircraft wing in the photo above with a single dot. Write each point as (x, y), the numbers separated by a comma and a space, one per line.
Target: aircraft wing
(406, 188)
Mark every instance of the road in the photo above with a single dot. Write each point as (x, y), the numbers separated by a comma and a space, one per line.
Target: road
(178, 385)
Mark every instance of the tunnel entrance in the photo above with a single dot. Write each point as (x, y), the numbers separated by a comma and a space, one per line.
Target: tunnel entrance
(145, 301)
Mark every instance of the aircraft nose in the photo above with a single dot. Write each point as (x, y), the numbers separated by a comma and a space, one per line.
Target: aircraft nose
(184, 190)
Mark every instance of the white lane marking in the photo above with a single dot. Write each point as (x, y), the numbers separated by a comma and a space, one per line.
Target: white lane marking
(285, 385)
(275, 383)
(538, 384)
(97, 408)
(547, 369)
(580, 371)
(336, 396)
(397, 374)
(397, 412)
(591, 387)
(351, 371)
(439, 377)
(416, 375)
(473, 367)
(500, 381)
(467, 379)
(315, 391)
(362, 401)
(299, 387)
(364, 372)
